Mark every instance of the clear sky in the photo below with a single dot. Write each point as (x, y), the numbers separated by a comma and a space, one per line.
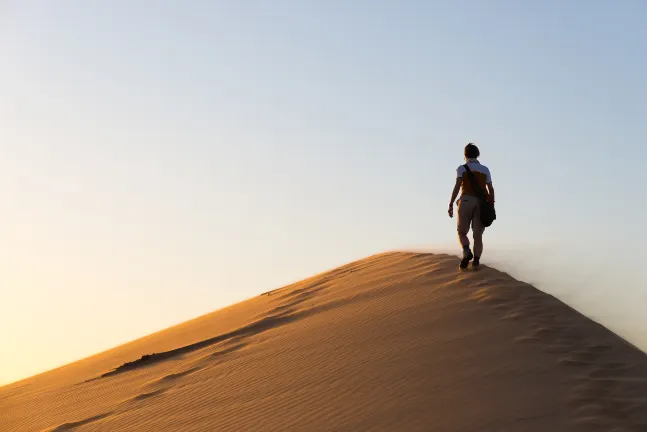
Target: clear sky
(162, 159)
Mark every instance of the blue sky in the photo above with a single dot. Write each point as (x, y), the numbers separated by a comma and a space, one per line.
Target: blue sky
(163, 159)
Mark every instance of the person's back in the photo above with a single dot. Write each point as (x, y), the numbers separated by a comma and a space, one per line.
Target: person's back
(481, 173)
(468, 204)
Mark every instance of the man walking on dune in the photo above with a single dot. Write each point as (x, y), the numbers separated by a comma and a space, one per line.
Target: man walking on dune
(472, 188)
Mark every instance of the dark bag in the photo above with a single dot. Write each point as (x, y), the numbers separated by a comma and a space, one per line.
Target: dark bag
(488, 214)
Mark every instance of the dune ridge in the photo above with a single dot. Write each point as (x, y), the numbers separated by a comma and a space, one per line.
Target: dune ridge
(395, 341)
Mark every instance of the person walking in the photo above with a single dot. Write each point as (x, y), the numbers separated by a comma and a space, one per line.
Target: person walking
(469, 214)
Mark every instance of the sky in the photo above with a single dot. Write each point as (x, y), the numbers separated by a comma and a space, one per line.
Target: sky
(163, 159)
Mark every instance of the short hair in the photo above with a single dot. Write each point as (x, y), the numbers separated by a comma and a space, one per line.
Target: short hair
(471, 151)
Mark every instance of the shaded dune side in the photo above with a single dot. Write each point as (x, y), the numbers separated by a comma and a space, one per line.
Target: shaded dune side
(397, 341)
(607, 375)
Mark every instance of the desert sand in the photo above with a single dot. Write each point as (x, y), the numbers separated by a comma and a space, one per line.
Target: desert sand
(396, 342)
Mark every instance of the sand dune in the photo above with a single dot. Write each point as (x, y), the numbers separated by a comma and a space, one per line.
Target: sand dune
(397, 342)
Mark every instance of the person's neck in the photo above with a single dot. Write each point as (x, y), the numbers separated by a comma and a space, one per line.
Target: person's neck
(471, 160)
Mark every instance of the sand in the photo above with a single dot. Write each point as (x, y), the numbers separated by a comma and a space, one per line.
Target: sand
(396, 342)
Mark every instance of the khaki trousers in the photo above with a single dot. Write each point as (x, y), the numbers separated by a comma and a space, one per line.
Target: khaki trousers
(469, 216)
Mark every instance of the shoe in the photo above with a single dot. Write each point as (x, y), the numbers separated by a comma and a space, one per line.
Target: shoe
(476, 263)
(467, 257)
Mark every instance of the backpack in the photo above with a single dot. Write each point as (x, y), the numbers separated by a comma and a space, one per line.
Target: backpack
(487, 212)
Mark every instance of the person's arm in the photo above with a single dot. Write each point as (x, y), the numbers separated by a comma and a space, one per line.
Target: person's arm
(490, 190)
(457, 188)
(489, 186)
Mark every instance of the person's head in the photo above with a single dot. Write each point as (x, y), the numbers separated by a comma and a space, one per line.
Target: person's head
(471, 151)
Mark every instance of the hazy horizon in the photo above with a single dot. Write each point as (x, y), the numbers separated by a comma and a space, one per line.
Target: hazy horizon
(163, 160)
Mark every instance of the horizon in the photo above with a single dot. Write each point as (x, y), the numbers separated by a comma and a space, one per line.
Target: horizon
(164, 162)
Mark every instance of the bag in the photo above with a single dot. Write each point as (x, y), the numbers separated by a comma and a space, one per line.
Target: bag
(487, 212)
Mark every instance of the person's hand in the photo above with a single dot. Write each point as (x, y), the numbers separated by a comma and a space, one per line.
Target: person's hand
(451, 210)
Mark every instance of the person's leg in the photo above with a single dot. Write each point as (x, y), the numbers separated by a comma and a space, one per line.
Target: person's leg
(466, 207)
(478, 242)
(477, 232)
(463, 223)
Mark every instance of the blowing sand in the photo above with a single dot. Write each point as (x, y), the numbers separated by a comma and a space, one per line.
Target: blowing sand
(396, 342)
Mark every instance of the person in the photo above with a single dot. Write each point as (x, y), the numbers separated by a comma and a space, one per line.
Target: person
(468, 204)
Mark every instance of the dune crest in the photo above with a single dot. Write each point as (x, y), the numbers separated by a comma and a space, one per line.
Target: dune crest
(396, 341)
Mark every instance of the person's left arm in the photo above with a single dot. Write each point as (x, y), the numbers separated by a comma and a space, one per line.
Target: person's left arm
(489, 186)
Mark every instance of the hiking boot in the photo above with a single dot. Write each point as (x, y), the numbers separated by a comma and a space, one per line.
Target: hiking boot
(476, 263)
(467, 257)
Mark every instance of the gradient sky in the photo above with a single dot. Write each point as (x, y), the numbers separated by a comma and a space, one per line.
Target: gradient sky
(162, 159)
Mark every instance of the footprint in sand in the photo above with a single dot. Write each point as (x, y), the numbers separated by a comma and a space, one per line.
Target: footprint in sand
(589, 355)
(544, 332)
(599, 348)
(488, 296)
(574, 362)
(527, 339)
(174, 376)
(225, 351)
(579, 358)
(513, 315)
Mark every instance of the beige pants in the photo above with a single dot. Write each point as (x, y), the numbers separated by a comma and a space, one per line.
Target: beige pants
(469, 215)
